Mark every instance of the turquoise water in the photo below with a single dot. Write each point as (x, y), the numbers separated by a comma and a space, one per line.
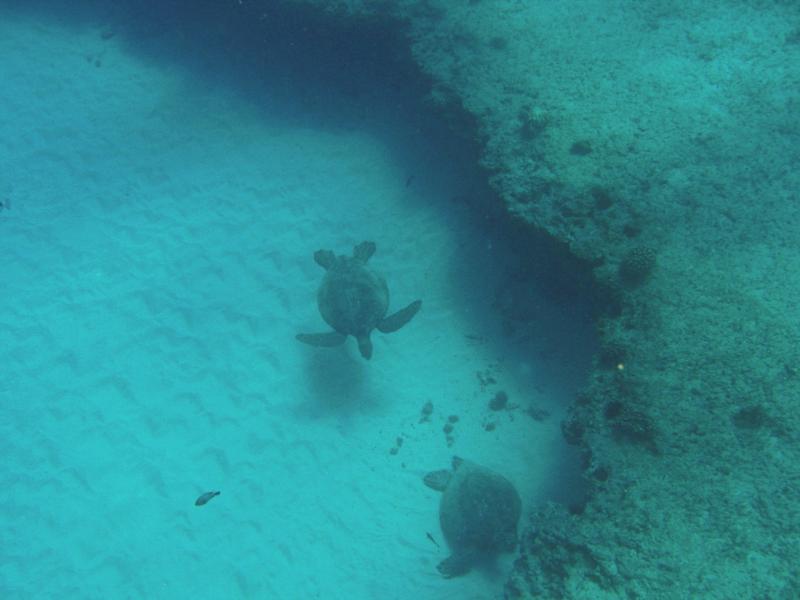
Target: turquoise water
(163, 194)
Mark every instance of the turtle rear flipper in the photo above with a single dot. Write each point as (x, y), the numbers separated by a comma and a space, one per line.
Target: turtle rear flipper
(395, 321)
(364, 251)
(324, 340)
(324, 258)
(458, 563)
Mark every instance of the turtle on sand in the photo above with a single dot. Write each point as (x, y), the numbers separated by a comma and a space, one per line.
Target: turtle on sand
(478, 513)
(353, 300)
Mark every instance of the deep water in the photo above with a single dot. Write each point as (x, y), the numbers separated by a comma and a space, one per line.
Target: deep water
(168, 174)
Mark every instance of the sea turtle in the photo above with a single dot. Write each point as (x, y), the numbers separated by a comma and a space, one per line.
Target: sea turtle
(353, 300)
(478, 513)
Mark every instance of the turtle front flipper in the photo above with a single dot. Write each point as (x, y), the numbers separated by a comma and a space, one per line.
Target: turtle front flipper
(458, 563)
(395, 321)
(438, 480)
(324, 340)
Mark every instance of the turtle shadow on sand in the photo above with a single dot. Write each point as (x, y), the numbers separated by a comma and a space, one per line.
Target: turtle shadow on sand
(478, 514)
(353, 299)
(336, 386)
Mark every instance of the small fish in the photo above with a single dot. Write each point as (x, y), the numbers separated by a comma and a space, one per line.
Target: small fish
(205, 498)
(409, 180)
(430, 537)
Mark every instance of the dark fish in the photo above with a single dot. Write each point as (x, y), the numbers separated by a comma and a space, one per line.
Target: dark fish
(205, 498)
(430, 537)
(409, 180)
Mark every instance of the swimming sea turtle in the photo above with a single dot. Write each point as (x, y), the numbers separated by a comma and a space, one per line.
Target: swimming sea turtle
(353, 300)
(478, 513)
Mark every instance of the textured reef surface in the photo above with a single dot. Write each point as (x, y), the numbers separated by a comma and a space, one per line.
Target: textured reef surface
(657, 144)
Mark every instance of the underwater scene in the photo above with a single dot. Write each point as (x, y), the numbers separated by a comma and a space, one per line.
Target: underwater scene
(414, 299)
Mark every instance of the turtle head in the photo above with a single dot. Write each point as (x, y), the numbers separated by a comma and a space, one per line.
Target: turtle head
(365, 345)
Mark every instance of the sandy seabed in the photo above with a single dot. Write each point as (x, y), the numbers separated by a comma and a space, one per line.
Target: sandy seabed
(156, 266)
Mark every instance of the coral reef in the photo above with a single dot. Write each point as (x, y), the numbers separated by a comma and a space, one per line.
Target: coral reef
(637, 265)
(690, 448)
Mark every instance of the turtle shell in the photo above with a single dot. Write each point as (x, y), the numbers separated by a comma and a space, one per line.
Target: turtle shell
(479, 510)
(352, 299)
